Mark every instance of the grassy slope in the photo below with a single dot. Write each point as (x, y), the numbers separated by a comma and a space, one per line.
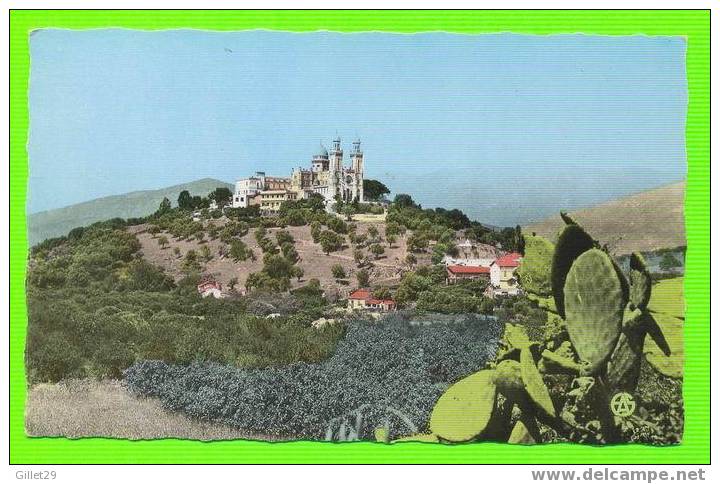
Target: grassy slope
(645, 221)
(53, 223)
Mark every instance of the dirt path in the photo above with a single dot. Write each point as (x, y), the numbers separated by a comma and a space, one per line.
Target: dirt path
(86, 408)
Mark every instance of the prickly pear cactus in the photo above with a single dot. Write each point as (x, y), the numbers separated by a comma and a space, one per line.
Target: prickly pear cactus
(640, 281)
(534, 384)
(572, 242)
(594, 305)
(508, 379)
(465, 409)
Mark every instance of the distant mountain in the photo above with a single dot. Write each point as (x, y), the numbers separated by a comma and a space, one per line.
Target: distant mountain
(508, 194)
(646, 221)
(53, 223)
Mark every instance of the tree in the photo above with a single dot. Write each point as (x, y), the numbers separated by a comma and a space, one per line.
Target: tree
(363, 278)
(330, 241)
(404, 200)
(277, 267)
(669, 262)
(394, 228)
(165, 207)
(284, 237)
(348, 211)
(154, 230)
(239, 250)
(338, 271)
(297, 272)
(163, 242)
(381, 292)
(290, 253)
(377, 250)
(417, 242)
(374, 190)
(373, 231)
(232, 283)
(411, 260)
(191, 263)
(185, 201)
(205, 253)
(176, 251)
(391, 239)
(221, 195)
(316, 231)
(359, 257)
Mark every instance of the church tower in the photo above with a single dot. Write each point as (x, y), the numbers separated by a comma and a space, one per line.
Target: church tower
(357, 165)
(336, 165)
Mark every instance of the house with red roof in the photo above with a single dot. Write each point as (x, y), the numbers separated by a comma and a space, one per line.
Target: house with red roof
(457, 273)
(502, 274)
(363, 299)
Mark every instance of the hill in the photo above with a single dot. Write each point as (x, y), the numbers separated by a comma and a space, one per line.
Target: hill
(646, 221)
(57, 222)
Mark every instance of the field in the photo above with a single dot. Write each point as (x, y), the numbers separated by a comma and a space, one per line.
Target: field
(87, 408)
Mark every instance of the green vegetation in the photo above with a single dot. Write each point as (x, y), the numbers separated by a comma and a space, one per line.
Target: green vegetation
(534, 270)
(374, 190)
(599, 343)
(95, 307)
(430, 224)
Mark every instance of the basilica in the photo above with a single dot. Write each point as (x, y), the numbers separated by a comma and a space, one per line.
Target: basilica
(327, 176)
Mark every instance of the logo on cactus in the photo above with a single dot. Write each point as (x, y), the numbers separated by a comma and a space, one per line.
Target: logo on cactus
(622, 404)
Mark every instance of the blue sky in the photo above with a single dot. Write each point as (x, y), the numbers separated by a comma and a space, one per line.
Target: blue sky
(114, 111)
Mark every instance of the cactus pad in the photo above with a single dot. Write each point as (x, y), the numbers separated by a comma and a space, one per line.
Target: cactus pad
(464, 410)
(640, 281)
(520, 435)
(508, 379)
(572, 242)
(623, 370)
(594, 305)
(534, 384)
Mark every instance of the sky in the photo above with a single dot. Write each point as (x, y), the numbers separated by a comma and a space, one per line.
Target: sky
(446, 117)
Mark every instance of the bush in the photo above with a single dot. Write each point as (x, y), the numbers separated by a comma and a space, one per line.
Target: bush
(378, 366)
(338, 271)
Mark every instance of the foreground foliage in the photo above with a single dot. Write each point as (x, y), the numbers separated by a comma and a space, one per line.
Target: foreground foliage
(564, 386)
(386, 374)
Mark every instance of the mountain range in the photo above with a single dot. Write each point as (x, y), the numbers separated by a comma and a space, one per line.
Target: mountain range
(645, 221)
(648, 220)
(57, 222)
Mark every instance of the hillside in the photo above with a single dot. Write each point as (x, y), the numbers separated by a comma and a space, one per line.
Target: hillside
(646, 221)
(53, 223)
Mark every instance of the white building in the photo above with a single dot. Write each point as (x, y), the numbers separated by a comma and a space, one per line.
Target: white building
(327, 176)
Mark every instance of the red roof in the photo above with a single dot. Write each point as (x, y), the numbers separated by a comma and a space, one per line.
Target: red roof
(360, 294)
(509, 260)
(469, 269)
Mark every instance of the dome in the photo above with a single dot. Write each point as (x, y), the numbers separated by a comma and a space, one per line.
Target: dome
(323, 152)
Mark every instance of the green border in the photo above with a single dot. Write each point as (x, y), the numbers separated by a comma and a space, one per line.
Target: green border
(694, 25)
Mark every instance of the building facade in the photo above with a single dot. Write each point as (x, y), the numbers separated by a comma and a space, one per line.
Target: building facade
(467, 273)
(362, 298)
(502, 274)
(327, 176)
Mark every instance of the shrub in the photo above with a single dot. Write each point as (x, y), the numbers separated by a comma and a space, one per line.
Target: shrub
(392, 364)
(338, 271)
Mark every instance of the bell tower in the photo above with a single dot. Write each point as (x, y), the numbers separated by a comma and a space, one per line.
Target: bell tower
(356, 156)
